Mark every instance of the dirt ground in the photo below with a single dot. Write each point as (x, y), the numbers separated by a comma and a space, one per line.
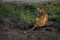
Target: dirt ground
(12, 29)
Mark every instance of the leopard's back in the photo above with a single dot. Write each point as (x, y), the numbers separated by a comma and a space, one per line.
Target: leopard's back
(41, 21)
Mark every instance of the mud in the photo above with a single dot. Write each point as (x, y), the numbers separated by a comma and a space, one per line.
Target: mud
(13, 29)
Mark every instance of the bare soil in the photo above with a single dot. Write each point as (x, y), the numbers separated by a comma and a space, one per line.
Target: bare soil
(13, 29)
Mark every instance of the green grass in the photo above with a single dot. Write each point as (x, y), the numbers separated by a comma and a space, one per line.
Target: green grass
(27, 11)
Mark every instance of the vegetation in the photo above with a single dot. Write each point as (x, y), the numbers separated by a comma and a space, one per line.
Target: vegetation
(27, 11)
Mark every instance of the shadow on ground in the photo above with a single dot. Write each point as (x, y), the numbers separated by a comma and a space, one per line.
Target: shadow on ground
(12, 29)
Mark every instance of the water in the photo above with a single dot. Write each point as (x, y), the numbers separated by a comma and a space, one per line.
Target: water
(27, 0)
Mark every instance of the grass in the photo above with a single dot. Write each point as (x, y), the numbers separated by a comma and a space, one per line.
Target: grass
(27, 11)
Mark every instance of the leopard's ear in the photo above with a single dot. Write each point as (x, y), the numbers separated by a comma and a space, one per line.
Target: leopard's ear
(42, 9)
(38, 8)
